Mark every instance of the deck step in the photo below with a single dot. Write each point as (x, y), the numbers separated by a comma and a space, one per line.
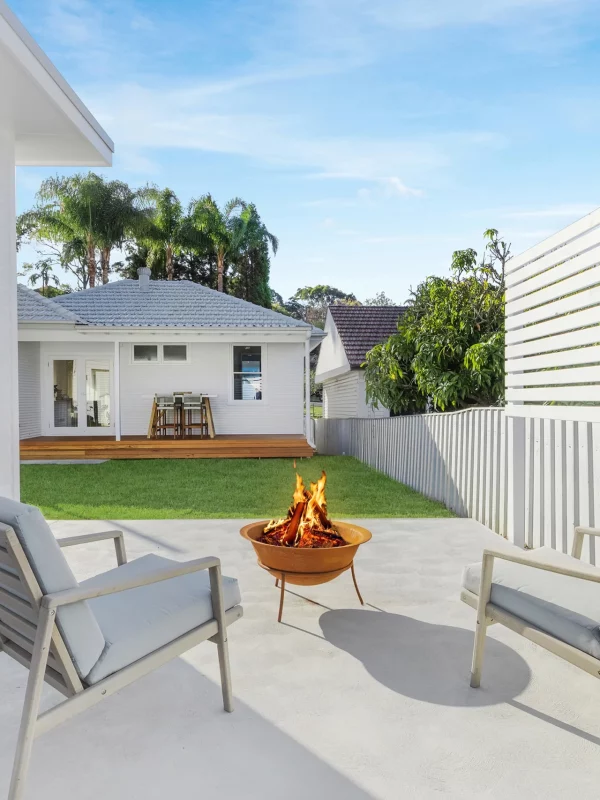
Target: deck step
(90, 448)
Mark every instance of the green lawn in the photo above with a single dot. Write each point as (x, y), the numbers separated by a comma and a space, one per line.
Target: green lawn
(213, 489)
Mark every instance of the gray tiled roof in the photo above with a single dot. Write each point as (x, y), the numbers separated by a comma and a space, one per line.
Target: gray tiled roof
(167, 304)
(362, 327)
(32, 307)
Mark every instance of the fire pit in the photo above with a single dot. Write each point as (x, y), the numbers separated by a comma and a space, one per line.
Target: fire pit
(306, 548)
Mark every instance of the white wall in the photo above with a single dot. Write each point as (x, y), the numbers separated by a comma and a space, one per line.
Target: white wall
(345, 397)
(332, 359)
(210, 371)
(30, 423)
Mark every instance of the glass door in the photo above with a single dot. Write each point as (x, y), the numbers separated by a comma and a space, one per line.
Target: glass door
(98, 396)
(81, 397)
(65, 408)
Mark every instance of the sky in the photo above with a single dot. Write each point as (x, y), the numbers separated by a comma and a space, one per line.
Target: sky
(375, 136)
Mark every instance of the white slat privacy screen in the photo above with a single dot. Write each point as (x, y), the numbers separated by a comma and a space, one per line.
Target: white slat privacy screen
(553, 326)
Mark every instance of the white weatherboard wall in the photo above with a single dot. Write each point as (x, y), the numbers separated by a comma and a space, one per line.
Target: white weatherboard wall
(30, 423)
(345, 396)
(462, 459)
(210, 370)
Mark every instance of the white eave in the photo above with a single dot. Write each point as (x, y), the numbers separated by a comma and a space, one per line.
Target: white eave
(51, 125)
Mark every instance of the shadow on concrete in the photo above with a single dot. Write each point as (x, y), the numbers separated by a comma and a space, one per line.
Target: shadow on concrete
(167, 736)
(424, 661)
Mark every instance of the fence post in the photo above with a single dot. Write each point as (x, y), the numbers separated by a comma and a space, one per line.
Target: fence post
(516, 481)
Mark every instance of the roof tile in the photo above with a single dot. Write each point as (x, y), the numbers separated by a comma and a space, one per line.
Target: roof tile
(362, 327)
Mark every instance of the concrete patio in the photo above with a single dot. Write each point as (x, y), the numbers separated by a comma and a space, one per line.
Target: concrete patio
(338, 702)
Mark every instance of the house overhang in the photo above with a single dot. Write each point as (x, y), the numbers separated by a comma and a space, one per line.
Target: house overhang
(59, 331)
(49, 123)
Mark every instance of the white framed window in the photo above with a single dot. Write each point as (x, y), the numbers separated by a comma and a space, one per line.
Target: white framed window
(247, 372)
(160, 353)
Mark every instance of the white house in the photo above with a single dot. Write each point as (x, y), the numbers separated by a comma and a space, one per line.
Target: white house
(42, 123)
(91, 362)
(351, 332)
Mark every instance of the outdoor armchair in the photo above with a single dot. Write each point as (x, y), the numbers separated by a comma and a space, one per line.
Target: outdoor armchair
(548, 597)
(90, 639)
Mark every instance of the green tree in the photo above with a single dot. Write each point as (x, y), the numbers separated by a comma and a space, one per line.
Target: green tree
(390, 379)
(252, 264)
(42, 271)
(84, 214)
(380, 299)
(310, 303)
(169, 231)
(221, 227)
(450, 341)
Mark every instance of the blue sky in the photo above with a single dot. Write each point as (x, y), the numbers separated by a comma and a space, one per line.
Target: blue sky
(375, 136)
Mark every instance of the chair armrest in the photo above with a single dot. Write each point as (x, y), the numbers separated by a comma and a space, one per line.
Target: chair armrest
(86, 538)
(68, 596)
(585, 573)
(580, 532)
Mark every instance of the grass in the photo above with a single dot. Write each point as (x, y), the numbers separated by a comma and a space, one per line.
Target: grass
(214, 489)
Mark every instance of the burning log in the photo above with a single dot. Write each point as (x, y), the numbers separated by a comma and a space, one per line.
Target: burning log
(289, 536)
(307, 523)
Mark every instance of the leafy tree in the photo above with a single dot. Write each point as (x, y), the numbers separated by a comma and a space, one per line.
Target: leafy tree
(221, 227)
(169, 231)
(380, 299)
(450, 341)
(84, 214)
(311, 302)
(250, 279)
(390, 379)
(42, 271)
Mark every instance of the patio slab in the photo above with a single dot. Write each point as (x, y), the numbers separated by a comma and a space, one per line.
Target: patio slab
(338, 702)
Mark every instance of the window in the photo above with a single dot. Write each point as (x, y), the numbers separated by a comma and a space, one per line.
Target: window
(160, 353)
(174, 352)
(247, 372)
(145, 352)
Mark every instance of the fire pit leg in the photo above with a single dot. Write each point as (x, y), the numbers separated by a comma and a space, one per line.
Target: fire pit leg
(277, 583)
(281, 598)
(362, 602)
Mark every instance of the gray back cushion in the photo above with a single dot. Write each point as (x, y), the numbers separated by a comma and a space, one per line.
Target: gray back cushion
(77, 623)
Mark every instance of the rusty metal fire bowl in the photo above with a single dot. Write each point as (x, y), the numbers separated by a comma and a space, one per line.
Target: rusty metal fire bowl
(307, 566)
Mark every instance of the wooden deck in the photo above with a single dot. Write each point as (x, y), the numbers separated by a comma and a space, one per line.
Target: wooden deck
(97, 447)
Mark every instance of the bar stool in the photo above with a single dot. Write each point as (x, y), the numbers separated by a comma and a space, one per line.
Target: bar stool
(165, 415)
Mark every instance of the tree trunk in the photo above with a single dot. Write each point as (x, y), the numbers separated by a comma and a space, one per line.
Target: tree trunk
(91, 262)
(220, 261)
(105, 263)
(169, 261)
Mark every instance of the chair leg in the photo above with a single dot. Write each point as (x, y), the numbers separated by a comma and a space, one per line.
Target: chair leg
(216, 589)
(485, 590)
(37, 670)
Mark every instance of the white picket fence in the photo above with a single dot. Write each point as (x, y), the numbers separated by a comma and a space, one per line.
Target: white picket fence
(462, 460)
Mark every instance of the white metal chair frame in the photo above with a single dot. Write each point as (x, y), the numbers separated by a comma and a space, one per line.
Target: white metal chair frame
(28, 633)
(488, 613)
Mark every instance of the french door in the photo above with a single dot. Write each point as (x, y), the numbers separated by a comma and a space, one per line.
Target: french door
(81, 397)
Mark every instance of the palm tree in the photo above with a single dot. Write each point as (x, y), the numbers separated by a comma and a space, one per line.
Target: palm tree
(75, 205)
(252, 262)
(221, 227)
(41, 270)
(166, 231)
(122, 214)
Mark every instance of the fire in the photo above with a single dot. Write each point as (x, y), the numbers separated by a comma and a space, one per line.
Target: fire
(307, 523)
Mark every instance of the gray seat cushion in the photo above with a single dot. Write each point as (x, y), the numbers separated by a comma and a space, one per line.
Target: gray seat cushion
(139, 621)
(564, 607)
(77, 624)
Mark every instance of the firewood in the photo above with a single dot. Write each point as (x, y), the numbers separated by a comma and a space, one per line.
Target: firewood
(292, 529)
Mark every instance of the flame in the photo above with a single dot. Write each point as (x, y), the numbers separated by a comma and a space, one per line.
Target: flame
(307, 523)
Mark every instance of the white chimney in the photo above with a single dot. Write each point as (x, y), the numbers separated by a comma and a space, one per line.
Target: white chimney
(144, 278)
